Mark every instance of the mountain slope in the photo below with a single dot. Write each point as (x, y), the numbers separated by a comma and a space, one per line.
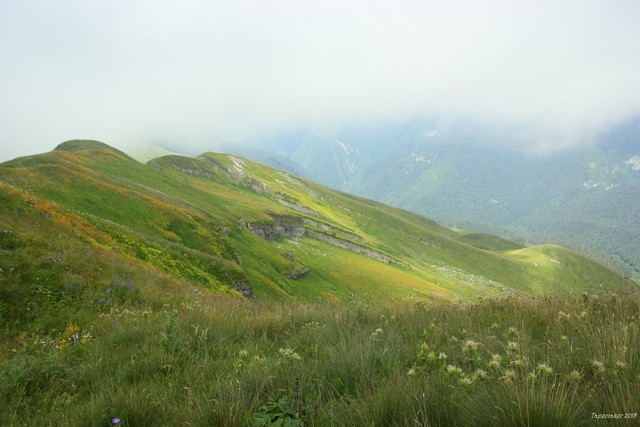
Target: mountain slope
(111, 275)
(586, 198)
(483, 178)
(242, 228)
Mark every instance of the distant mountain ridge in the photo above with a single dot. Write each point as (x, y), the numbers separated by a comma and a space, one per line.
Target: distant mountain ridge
(467, 175)
(246, 229)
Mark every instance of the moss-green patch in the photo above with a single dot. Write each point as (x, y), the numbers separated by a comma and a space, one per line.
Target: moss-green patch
(488, 242)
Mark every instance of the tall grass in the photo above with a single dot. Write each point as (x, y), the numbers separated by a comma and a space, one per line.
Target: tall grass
(207, 360)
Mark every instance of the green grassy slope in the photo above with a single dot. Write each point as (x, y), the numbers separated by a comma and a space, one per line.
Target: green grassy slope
(120, 297)
(488, 242)
(239, 227)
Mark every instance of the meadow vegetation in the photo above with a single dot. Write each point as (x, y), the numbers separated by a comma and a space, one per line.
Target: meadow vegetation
(172, 356)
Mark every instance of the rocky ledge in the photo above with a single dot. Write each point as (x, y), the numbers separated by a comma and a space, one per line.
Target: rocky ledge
(287, 226)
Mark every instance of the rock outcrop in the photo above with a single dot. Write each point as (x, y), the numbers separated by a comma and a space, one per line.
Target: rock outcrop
(242, 286)
(195, 172)
(287, 226)
(292, 226)
(345, 244)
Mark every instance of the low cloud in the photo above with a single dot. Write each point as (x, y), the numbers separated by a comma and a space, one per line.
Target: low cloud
(190, 72)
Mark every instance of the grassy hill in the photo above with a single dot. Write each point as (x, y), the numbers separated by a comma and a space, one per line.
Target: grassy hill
(239, 227)
(218, 291)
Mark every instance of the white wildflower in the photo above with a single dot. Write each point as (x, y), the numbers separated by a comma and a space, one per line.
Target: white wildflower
(470, 346)
(545, 369)
(574, 376)
(598, 366)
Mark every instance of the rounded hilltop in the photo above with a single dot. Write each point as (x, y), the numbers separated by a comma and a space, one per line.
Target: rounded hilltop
(86, 146)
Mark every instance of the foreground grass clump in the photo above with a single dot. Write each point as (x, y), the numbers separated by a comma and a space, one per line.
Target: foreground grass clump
(209, 360)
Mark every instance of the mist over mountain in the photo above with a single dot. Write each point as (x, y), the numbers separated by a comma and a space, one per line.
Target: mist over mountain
(487, 178)
(190, 74)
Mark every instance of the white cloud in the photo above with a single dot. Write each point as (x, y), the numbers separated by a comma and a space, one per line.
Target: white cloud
(135, 71)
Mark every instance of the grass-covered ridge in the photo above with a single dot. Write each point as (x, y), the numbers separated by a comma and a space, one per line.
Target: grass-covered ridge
(236, 226)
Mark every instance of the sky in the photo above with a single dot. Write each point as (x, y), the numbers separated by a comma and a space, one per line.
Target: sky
(184, 74)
